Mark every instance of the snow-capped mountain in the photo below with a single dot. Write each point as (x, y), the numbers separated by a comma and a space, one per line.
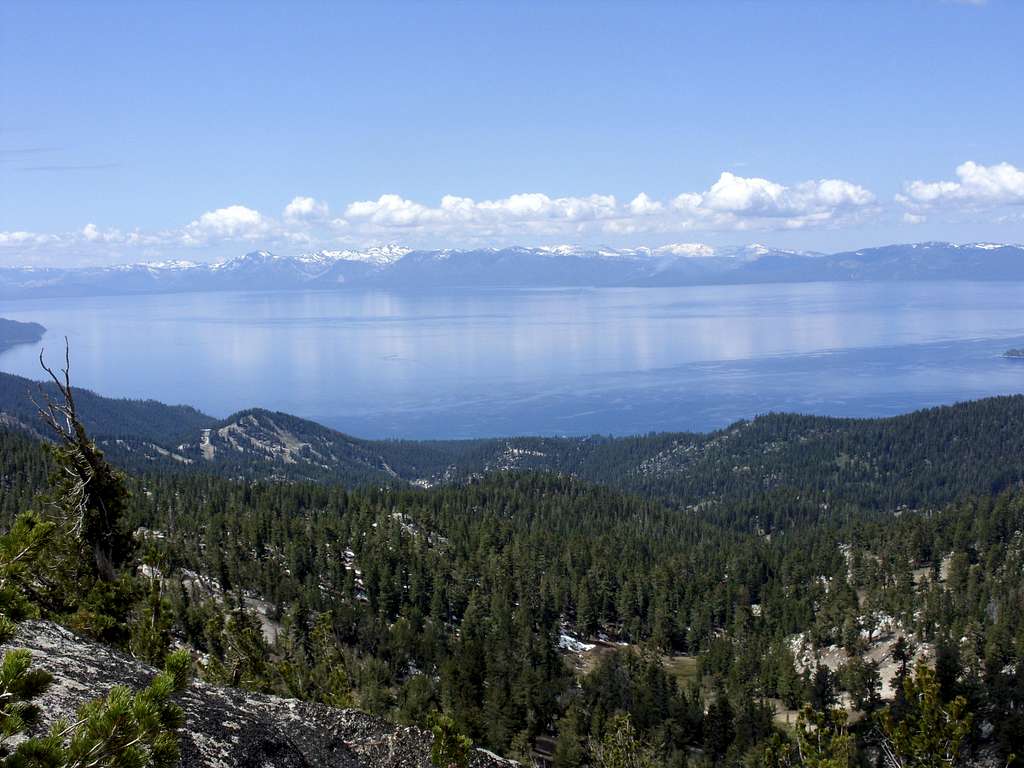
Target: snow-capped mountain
(685, 250)
(397, 267)
(378, 255)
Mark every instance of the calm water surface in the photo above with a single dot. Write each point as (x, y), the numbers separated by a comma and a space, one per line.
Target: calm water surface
(457, 364)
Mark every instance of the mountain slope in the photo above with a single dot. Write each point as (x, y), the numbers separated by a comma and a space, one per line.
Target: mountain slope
(394, 267)
(924, 458)
(146, 420)
(13, 332)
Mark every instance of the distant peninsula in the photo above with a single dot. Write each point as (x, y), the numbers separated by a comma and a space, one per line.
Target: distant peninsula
(13, 332)
(1015, 353)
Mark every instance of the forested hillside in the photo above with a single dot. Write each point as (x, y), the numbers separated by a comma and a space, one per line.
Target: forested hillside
(749, 473)
(13, 332)
(550, 617)
(142, 420)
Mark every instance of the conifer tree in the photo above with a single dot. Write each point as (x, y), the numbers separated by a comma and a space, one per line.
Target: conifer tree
(719, 726)
(90, 494)
(929, 733)
(125, 729)
(621, 748)
(823, 740)
(450, 748)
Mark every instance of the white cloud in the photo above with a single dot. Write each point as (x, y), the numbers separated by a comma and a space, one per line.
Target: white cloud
(688, 201)
(392, 210)
(731, 204)
(742, 195)
(642, 205)
(94, 234)
(914, 218)
(977, 186)
(232, 222)
(760, 197)
(752, 203)
(305, 208)
(22, 238)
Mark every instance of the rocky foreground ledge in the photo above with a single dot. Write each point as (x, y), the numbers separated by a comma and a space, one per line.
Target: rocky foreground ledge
(229, 727)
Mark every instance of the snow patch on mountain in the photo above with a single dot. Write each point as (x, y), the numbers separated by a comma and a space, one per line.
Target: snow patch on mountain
(690, 250)
(379, 255)
(671, 249)
(400, 267)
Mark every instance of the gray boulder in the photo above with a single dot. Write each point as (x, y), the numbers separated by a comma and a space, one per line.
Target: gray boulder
(230, 727)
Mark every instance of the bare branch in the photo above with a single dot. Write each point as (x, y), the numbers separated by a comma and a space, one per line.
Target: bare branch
(53, 414)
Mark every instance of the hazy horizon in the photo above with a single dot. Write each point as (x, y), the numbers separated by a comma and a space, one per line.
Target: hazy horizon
(200, 132)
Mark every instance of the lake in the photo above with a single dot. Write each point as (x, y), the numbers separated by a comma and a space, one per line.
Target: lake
(614, 361)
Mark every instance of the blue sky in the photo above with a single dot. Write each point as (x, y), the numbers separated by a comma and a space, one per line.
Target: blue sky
(133, 131)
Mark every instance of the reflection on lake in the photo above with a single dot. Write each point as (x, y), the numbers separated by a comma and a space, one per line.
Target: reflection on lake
(454, 364)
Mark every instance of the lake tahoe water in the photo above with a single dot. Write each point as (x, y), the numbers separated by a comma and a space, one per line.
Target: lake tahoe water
(620, 361)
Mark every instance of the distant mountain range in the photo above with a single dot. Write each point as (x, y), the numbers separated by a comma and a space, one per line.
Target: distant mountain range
(395, 267)
(927, 457)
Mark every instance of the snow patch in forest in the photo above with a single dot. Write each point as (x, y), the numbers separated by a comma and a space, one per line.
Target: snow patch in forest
(573, 645)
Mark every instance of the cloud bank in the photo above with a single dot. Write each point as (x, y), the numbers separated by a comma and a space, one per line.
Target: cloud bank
(732, 203)
(976, 188)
